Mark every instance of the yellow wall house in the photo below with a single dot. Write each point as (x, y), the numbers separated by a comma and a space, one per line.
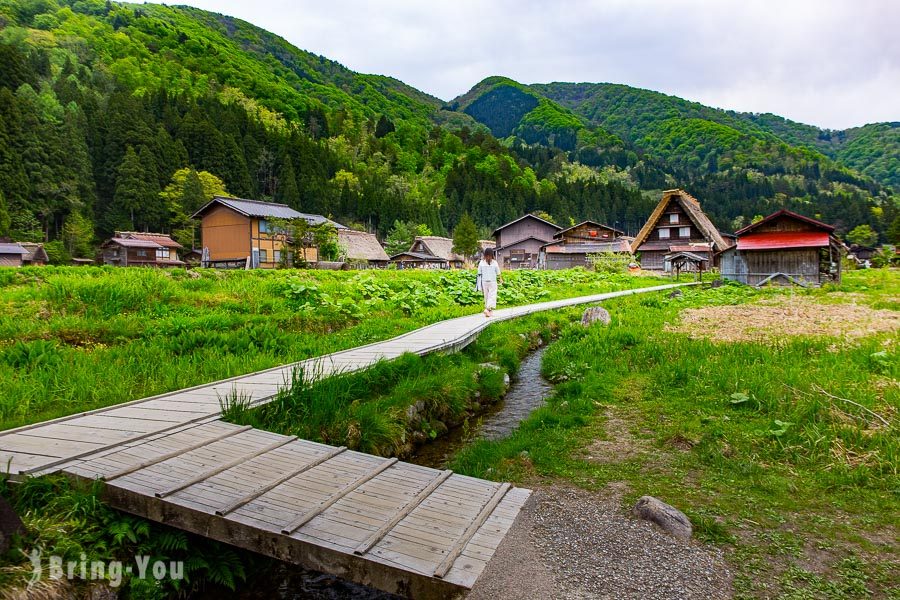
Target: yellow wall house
(231, 229)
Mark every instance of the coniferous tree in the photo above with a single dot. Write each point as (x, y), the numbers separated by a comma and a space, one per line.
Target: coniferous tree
(133, 193)
(4, 216)
(465, 237)
(78, 235)
(287, 191)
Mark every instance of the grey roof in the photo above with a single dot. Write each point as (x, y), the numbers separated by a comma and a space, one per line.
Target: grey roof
(132, 243)
(267, 210)
(12, 249)
(529, 215)
(688, 255)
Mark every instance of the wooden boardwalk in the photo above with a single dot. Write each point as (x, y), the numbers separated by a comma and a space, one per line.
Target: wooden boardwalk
(400, 527)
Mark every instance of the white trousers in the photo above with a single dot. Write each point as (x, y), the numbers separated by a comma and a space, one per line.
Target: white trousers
(490, 294)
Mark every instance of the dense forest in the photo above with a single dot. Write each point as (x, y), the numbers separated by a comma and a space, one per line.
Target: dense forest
(117, 116)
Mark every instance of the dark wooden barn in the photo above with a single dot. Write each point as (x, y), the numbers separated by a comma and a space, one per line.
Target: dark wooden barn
(519, 242)
(784, 248)
(572, 247)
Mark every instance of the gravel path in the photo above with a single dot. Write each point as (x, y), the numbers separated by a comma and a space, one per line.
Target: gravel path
(570, 543)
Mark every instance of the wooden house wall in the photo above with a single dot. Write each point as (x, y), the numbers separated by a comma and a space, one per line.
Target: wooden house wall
(683, 220)
(10, 260)
(226, 233)
(582, 233)
(652, 259)
(556, 261)
(522, 255)
(526, 228)
(752, 267)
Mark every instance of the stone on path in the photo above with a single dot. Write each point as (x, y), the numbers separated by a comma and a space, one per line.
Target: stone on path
(669, 518)
(593, 314)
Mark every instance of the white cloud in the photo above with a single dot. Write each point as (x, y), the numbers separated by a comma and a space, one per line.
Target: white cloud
(832, 63)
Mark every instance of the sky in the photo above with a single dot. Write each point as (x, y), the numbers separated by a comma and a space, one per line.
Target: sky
(830, 63)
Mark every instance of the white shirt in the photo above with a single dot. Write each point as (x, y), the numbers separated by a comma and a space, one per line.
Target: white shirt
(489, 272)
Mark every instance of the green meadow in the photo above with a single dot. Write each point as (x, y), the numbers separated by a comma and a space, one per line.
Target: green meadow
(74, 339)
(771, 418)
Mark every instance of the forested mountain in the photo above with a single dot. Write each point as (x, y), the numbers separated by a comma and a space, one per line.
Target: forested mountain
(119, 116)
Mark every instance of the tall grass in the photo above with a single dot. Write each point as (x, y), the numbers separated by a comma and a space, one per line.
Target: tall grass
(73, 339)
(390, 407)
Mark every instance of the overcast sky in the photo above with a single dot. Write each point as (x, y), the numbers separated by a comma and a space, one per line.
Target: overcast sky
(831, 63)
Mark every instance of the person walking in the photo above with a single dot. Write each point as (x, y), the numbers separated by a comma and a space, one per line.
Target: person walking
(487, 280)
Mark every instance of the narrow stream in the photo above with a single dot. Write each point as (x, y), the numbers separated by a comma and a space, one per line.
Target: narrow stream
(526, 393)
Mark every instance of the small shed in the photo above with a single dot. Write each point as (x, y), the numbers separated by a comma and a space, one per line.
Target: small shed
(35, 254)
(362, 249)
(11, 254)
(784, 247)
(685, 261)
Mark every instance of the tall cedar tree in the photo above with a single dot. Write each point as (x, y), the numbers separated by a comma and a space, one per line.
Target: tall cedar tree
(465, 237)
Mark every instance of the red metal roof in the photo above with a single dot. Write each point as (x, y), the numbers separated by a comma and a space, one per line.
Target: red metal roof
(783, 239)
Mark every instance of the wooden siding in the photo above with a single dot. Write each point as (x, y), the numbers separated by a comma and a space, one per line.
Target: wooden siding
(565, 261)
(582, 233)
(10, 260)
(226, 233)
(522, 255)
(751, 267)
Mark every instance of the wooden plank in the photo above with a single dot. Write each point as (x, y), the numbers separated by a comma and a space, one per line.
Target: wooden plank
(305, 518)
(457, 548)
(224, 467)
(174, 453)
(269, 486)
(376, 537)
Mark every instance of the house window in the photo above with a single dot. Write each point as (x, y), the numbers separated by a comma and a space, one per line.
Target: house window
(263, 255)
(277, 254)
(142, 253)
(673, 218)
(162, 254)
(263, 226)
(684, 232)
(664, 233)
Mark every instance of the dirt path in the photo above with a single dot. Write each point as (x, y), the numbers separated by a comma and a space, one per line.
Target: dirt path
(570, 543)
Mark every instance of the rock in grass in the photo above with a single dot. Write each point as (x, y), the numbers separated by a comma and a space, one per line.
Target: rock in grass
(10, 525)
(669, 518)
(676, 294)
(593, 314)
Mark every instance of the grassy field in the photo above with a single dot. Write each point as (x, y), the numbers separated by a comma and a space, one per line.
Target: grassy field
(771, 418)
(73, 339)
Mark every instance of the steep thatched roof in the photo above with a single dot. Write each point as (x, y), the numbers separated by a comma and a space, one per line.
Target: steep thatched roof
(359, 245)
(692, 208)
(35, 252)
(440, 246)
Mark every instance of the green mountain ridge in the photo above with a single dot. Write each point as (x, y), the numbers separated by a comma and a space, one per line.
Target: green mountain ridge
(104, 107)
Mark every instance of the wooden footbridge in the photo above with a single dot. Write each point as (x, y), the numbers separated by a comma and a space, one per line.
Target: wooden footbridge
(403, 528)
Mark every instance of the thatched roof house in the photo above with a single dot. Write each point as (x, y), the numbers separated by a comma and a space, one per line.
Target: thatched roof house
(677, 224)
(430, 251)
(361, 247)
(35, 254)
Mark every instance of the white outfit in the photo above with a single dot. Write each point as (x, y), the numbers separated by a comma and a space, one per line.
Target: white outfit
(489, 273)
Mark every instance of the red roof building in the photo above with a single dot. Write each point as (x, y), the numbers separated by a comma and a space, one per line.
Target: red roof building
(135, 249)
(785, 247)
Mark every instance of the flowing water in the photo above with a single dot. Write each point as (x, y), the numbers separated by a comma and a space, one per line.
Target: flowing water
(527, 392)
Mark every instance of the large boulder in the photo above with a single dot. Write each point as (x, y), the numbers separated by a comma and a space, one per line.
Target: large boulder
(594, 314)
(670, 519)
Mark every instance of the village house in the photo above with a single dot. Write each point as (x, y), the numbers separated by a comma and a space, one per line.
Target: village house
(234, 231)
(361, 249)
(677, 225)
(572, 247)
(784, 247)
(11, 254)
(429, 252)
(136, 249)
(35, 254)
(519, 242)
